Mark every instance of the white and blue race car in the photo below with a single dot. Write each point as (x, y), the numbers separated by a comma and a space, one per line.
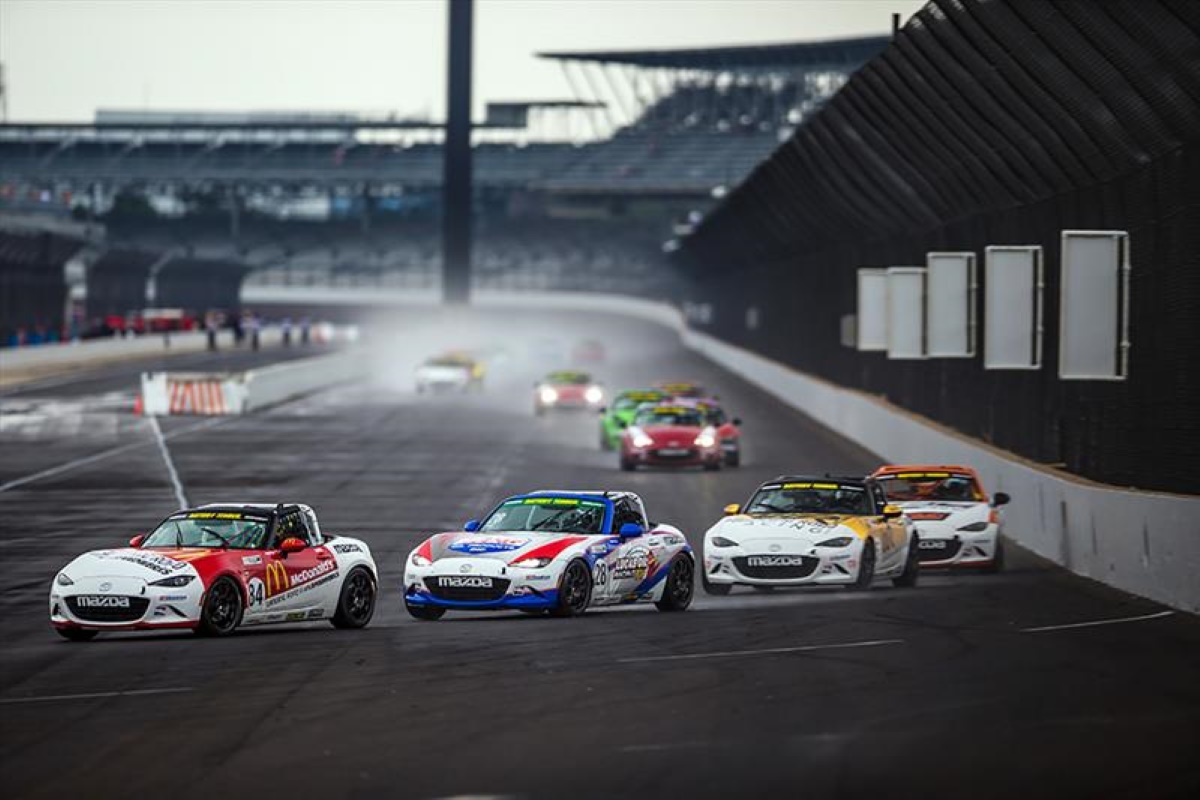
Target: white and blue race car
(552, 551)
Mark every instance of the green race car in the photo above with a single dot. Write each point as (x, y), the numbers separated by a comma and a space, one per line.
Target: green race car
(620, 413)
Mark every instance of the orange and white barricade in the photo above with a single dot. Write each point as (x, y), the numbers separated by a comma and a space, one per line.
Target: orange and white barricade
(204, 394)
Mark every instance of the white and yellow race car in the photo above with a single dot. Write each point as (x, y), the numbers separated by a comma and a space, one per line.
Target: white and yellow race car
(801, 531)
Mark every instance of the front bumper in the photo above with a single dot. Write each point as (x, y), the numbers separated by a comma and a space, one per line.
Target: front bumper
(481, 584)
(125, 604)
(752, 565)
(674, 457)
(947, 548)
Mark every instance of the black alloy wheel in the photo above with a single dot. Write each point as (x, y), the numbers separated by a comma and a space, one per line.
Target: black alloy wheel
(912, 565)
(222, 610)
(717, 589)
(866, 567)
(574, 590)
(356, 603)
(681, 585)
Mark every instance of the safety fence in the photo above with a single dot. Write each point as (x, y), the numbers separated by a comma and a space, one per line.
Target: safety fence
(990, 124)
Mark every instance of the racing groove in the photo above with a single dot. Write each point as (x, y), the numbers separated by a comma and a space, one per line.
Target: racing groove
(940, 690)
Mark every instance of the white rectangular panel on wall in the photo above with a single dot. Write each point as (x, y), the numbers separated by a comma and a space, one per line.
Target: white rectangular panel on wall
(1012, 307)
(906, 312)
(1094, 305)
(950, 305)
(871, 314)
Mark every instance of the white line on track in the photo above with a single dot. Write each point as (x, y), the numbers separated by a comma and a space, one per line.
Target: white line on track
(54, 698)
(103, 455)
(1098, 622)
(771, 651)
(176, 484)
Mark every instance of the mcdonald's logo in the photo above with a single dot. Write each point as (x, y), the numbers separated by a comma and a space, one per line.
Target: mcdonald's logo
(277, 579)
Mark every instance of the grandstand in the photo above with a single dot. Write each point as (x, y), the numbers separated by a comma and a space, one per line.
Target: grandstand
(346, 199)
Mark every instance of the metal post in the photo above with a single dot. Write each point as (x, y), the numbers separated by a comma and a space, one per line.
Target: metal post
(456, 160)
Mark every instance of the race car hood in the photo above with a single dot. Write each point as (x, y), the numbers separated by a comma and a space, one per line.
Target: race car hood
(951, 513)
(810, 528)
(148, 564)
(672, 435)
(508, 546)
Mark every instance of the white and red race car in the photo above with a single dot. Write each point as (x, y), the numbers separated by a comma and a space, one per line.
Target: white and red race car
(217, 567)
(555, 551)
(958, 525)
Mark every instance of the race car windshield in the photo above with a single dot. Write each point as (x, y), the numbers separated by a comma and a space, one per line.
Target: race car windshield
(629, 402)
(209, 529)
(446, 362)
(907, 487)
(551, 515)
(689, 417)
(810, 498)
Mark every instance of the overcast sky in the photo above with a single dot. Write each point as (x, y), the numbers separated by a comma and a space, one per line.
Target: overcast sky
(65, 58)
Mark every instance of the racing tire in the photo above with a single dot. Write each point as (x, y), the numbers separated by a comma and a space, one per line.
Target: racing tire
(574, 590)
(997, 563)
(716, 589)
(912, 566)
(76, 634)
(680, 585)
(866, 568)
(222, 610)
(627, 465)
(425, 613)
(356, 601)
(733, 460)
(605, 444)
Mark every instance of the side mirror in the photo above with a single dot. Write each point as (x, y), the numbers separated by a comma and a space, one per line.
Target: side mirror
(891, 512)
(622, 423)
(137, 540)
(292, 544)
(733, 508)
(471, 526)
(1001, 499)
(737, 421)
(630, 530)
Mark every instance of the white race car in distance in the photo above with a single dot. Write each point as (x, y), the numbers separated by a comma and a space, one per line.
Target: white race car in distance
(555, 551)
(958, 525)
(215, 568)
(802, 530)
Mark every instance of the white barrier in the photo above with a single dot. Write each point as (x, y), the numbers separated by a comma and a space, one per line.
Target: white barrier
(1142, 542)
(171, 393)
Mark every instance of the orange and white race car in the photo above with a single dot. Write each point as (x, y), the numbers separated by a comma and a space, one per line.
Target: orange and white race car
(959, 526)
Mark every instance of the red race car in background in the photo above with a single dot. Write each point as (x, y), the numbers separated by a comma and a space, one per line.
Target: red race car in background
(670, 435)
(729, 434)
(566, 389)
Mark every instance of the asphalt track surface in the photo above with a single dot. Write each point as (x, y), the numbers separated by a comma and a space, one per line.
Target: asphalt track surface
(945, 690)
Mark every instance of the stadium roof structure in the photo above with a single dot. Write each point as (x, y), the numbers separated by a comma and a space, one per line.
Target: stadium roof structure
(812, 55)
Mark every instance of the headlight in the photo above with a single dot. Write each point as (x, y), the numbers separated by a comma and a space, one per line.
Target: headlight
(721, 541)
(593, 394)
(63, 580)
(705, 440)
(419, 560)
(975, 527)
(837, 541)
(640, 439)
(548, 395)
(175, 582)
(531, 563)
